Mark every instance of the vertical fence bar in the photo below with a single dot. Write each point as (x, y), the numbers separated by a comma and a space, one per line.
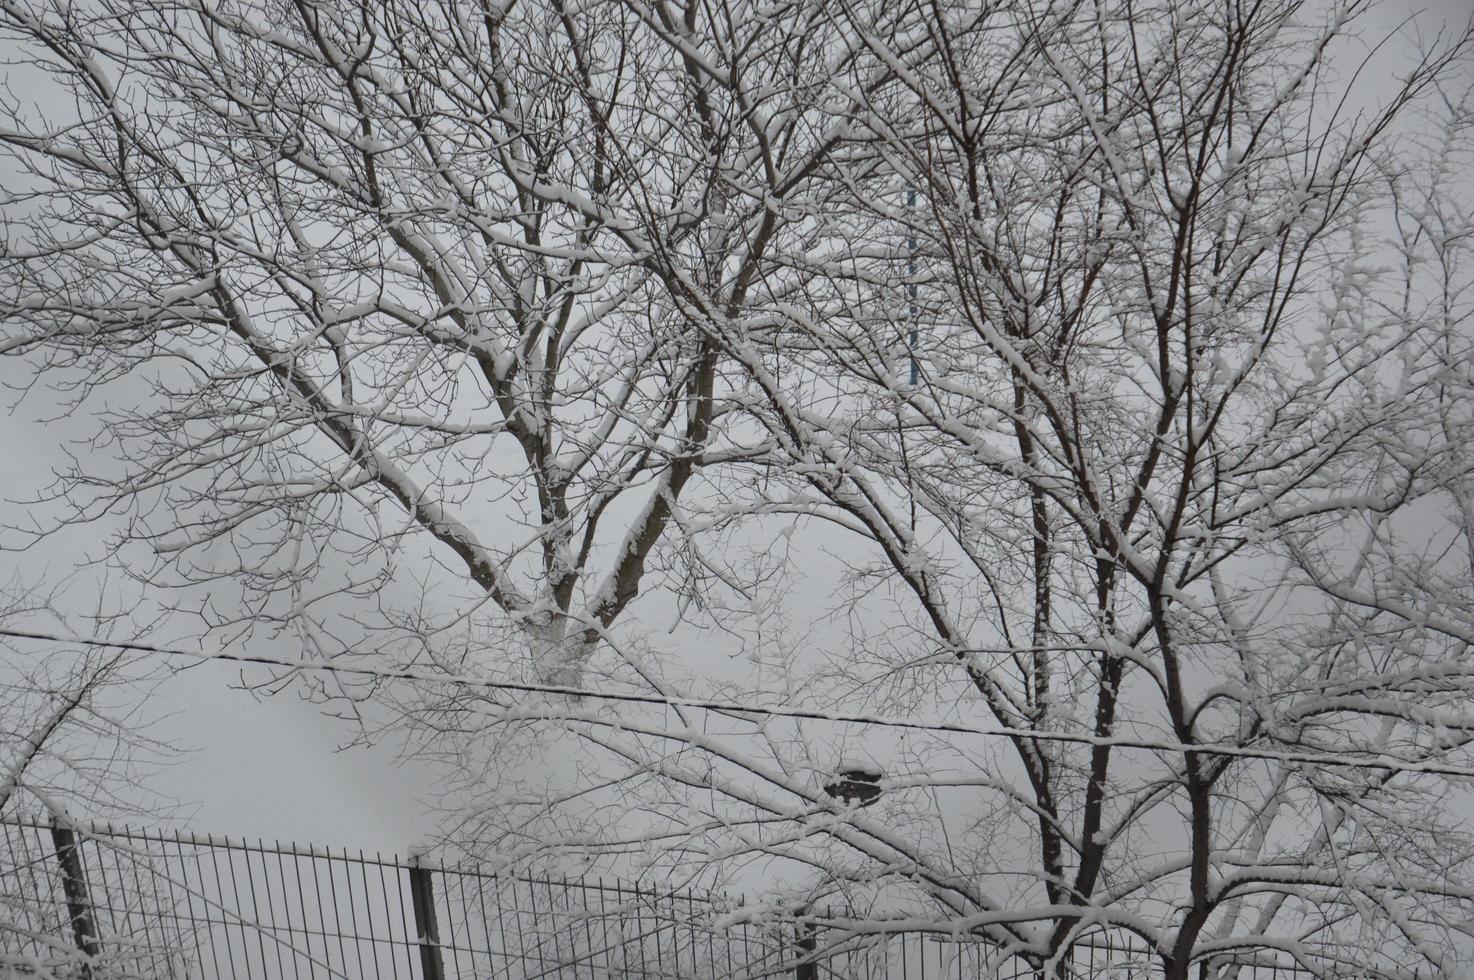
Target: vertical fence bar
(368, 935)
(322, 919)
(691, 928)
(221, 907)
(489, 889)
(28, 865)
(640, 932)
(806, 938)
(392, 914)
(104, 896)
(711, 942)
(335, 907)
(555, 914)
(675, 929)
(166, 883)
(463, 905)
(227, 908)
(409, 941)
(422, 898)
(353, 912)
(727, 943)
(79, 902)
(204, 913)
(588, 924)
(604, 930)
(538, 941)
(140, 898)
(747, 946)
(281, 873)
(257, 920)
(160, 905)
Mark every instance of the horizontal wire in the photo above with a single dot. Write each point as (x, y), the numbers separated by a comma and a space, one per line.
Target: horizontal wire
(1381, 761)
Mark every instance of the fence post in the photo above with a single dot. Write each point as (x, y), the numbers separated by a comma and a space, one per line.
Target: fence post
(807, 940)
(422, 896)
(74, 887)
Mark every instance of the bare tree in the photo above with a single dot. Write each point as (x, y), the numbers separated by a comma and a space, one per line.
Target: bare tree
(1140, 361)
(1157, 422)
(72, 734)
(74, 738)
(1129, 346)
(405, 292)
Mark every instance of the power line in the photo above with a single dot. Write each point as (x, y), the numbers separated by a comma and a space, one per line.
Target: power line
(1382, 761)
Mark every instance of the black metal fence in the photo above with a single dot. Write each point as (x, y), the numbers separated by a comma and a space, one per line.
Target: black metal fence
(105, 903)
(172, 905)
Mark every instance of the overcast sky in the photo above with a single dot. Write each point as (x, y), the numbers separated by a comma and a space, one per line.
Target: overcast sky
(272, 768)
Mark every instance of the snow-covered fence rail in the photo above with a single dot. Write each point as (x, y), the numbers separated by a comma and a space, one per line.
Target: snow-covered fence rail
(90, 901)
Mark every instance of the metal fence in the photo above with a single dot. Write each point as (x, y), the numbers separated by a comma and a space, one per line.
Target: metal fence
(108, 903)
(172, 905)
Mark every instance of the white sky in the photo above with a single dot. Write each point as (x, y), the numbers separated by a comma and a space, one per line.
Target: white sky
(272, 768)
